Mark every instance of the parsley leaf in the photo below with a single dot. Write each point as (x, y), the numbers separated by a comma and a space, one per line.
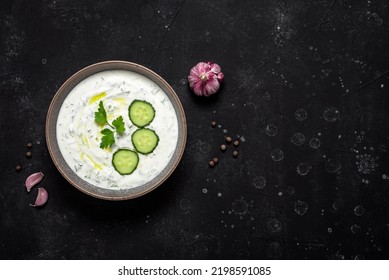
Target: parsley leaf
(108, 138)
(118, 123)
(101, 114)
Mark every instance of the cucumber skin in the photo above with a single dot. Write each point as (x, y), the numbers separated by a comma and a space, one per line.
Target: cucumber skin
(124, 149)
(156, 144)
(142, 101)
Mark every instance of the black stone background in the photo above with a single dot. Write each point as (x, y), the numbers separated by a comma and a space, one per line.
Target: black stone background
(277, 57)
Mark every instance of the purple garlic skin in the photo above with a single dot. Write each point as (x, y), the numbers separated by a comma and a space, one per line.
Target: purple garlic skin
(41, 198)
(205, 78)
(33, 180)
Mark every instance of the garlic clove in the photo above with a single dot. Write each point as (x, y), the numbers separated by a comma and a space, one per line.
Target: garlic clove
(33, 179)
(215, 68)
(211, 87)
(194, 76)
(198, 88)
(41, 198)
(202, 67)
(220, 77)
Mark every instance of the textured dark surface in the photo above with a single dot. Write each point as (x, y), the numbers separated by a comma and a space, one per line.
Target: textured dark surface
(282, 60)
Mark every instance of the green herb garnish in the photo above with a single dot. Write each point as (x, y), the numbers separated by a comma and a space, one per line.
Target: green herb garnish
(118, 123)
(108, 138)
(101, 115)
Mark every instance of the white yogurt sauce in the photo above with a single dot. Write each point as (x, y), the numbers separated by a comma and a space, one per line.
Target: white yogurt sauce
(79, 135)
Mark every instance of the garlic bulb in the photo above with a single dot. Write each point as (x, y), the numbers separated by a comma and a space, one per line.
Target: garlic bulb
(205, 78)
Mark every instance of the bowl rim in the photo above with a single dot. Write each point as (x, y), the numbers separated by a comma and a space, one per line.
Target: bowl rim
(107, 66)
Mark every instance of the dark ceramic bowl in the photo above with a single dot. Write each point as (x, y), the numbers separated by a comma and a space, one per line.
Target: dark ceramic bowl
(69, 174)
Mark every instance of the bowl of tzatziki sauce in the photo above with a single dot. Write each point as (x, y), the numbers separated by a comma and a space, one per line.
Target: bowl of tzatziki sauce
(74, 136)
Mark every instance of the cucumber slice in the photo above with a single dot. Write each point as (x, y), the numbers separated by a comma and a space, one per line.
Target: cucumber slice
(145, 140)
(125, 161)
(141, 113)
